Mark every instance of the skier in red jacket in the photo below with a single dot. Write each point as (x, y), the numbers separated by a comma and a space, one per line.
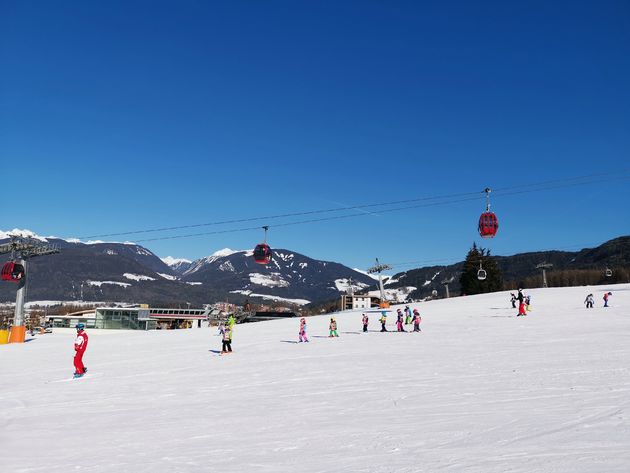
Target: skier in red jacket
(80, 344)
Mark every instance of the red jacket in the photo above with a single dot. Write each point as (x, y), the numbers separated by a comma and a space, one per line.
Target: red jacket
(81, 342)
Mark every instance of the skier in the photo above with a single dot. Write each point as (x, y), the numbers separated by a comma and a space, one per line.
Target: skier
(606, 295)
(365, 321)
(513, 300)
(589, 301)
(80, 345)
(383, 321)
(416, 320)
(227, 340)
(407, 315)
(333, 327)
(399, 322)
(521, 303)
(528, 303)
(303, 330)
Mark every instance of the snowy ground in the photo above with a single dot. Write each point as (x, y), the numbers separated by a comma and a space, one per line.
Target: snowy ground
(479, 390)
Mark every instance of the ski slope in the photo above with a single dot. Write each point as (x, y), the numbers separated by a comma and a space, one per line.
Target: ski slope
(479, 390)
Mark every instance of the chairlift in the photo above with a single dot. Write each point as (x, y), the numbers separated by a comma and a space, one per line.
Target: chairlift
(488, 222)
(608, 272)
(481, 274)
(262, 252)
(12, 272)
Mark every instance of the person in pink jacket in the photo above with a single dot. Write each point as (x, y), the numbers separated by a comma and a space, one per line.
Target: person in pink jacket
(80, 345)
(303, 330)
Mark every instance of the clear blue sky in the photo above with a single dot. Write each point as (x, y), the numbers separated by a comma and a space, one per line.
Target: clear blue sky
(126, 115)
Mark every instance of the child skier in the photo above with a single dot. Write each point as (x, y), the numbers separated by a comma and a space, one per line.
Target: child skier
(606, 295)
(513, 300)
(383, 321)
(80, 345)
(333, 328)
(407, 315)
(303, 330)
(365, 321)
(589, 301)
(528, 303)
(399, 322)
(227, 340)
(521, 303)
(416, 320)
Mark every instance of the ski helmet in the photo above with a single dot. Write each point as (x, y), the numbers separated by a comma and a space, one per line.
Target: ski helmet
(80, 326)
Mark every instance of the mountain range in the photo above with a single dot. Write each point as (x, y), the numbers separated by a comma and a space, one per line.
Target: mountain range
(126, 272)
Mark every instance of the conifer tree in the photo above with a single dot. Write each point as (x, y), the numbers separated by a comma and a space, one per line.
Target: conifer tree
(470, 283)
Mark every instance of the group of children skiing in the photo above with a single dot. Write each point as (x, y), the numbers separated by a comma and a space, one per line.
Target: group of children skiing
(410, 317)
(590, 300)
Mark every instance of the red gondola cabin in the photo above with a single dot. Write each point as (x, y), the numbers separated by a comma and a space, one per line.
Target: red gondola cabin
(13, 272)
(488, 225)
(262, 253)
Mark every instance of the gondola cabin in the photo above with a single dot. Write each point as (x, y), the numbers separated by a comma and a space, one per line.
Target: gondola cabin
(13, 272)
(488, 225)
(262, 254)
(481, 274)
(608, 272)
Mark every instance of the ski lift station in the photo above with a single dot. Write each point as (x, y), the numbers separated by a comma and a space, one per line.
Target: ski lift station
(132, 318)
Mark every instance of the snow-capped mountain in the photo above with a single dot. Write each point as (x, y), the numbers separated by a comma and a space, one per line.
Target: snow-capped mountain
(290, 275)
(127, 272)
(178, 265)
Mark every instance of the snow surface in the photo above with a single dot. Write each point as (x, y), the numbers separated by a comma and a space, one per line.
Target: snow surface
(344, 285)
(271, 297)
(478, 390)
(100, 283)
(268, 280)
(138, 277)
(168, 276)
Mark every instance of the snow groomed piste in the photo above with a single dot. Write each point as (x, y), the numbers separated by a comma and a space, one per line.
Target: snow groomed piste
(478, 390)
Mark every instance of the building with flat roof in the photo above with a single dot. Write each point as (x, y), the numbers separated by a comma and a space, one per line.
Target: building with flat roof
(132, 318)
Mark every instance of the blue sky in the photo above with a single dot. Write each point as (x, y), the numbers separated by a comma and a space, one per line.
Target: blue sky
(123, 116)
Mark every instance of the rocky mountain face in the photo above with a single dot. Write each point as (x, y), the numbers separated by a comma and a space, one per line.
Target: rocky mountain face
(131, 273)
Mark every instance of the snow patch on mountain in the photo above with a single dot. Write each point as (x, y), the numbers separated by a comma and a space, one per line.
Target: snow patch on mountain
(227, 266)
(168, 276)
(429, 281)
(194, 283)
(344, 285)
(400, 294)
(268, 280)
(100, 283)
(138, 277)
(273, 298)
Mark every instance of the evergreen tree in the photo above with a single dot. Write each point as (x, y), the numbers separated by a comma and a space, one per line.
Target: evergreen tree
(469, 281)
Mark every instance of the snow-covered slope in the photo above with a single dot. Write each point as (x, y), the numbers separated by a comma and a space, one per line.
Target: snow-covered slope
(479, 390)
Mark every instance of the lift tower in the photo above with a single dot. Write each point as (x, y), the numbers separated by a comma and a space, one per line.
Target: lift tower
(379, 268)
(23, 249)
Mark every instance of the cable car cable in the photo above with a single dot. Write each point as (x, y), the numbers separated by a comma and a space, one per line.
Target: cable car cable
(500, 191)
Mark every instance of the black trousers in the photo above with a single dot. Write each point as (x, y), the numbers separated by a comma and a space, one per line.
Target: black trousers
(227, 345)
(365, 328)
(383, 329)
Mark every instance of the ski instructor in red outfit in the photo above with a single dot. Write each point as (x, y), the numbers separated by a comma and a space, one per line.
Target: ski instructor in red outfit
(80, 344)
